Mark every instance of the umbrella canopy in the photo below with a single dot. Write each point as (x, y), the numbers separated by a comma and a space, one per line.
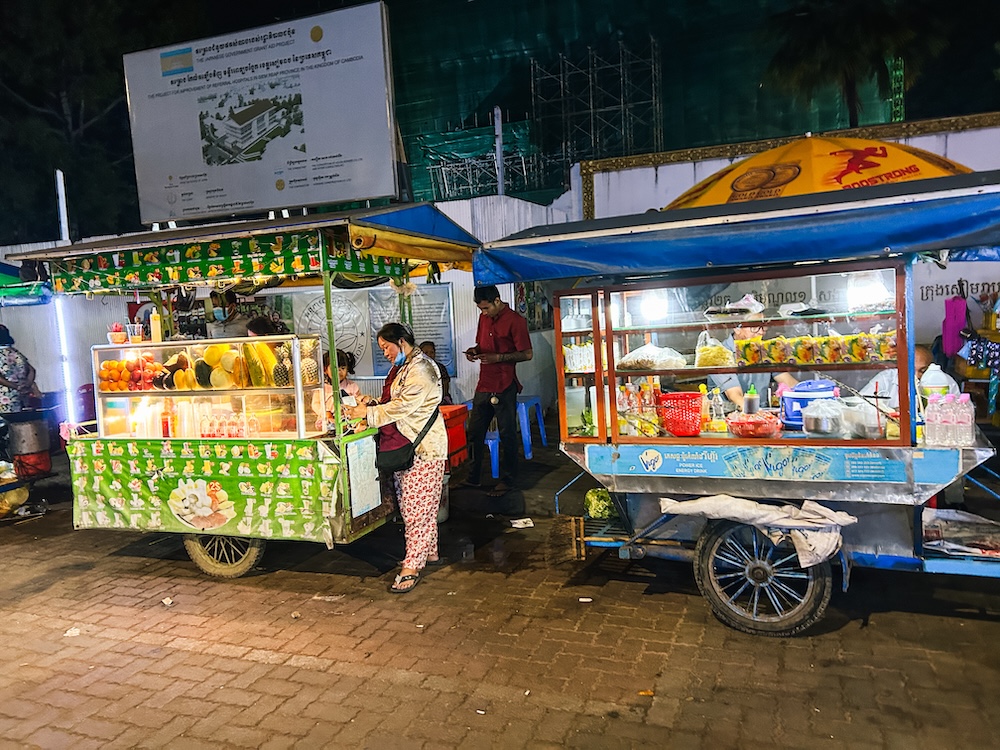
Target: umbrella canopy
(817, 164)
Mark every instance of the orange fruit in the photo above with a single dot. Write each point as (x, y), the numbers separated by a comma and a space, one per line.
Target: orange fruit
(113, 375)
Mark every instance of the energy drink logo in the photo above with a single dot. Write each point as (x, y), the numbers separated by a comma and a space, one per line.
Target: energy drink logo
(763, 182)
(176, 61)
(865, 160)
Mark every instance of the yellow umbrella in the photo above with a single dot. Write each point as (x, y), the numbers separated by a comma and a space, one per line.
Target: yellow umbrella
(817, 164)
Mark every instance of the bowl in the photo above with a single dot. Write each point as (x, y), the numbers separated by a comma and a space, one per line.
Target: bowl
(117, 337)
(822, 425)
(759, 425)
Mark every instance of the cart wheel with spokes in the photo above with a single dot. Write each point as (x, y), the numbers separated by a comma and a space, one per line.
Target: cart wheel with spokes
(756, 586)
(223, 556)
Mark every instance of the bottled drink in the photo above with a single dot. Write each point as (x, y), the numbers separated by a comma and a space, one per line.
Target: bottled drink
(932, 420)
(949, 427)
(706, 416)
(965, 420)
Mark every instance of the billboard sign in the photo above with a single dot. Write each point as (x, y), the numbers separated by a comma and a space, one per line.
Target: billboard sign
(296, 114)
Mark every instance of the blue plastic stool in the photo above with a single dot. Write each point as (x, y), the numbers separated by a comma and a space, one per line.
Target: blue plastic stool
(524, 404)
(493, 443)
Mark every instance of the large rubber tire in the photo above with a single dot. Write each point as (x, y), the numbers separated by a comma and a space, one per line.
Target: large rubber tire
(224, 556)
(757, 587)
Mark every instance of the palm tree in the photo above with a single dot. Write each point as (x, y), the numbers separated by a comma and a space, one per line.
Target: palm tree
(846, 43)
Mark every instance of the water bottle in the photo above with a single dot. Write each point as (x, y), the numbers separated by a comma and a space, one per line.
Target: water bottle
(932, 421)
(949, 428)
(933, 381)
(966, 420)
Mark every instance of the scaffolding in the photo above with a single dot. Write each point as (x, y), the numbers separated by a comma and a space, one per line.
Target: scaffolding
(605, 107)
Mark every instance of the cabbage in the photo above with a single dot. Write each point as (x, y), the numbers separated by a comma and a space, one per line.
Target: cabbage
(597, 504)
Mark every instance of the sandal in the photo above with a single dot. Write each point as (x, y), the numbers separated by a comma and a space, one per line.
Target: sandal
(395, 588)
(499, 490)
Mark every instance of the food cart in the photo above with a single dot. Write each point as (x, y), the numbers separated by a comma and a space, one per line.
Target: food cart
(218, 439)
(649, 305)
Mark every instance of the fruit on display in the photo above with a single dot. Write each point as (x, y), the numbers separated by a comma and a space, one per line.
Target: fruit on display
(203, 373)
(310, 371)
(221, 379)
(134, 373)
(259, 377)
(281, 374)
(213, 354)
(215, 366)
(228, 360)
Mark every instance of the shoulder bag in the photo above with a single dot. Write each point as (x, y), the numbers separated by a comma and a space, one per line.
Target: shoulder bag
(395, 451)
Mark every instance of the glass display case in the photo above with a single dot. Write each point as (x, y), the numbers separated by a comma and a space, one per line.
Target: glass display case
(681, 355)
(261, 386)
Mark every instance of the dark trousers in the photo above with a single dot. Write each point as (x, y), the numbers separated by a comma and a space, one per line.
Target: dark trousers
(479, 423)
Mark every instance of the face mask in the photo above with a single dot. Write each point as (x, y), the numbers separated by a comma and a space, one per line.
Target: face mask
(400, 358)
(220, 315)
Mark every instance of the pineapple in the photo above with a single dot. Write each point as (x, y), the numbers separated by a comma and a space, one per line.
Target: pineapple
(281, 373)
(310, 371)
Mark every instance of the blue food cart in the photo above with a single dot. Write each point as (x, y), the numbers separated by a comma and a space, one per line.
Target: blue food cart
(654, 306)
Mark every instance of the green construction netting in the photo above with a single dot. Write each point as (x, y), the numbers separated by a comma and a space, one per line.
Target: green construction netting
(454, 60)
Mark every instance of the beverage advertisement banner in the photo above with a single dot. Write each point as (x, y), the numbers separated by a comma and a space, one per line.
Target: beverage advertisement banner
(295, 114)
(283, 255)
(251, 488)
(777, 462)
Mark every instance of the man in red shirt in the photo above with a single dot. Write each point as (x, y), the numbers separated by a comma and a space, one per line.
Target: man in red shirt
(502, 341)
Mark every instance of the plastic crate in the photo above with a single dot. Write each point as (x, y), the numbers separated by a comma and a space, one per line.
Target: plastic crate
(680, 413)
(454, 424)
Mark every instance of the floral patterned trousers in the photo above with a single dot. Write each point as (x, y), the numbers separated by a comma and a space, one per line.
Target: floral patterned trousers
(419, 492)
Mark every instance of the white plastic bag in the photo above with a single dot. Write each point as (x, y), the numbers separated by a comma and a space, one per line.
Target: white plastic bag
(650, 357)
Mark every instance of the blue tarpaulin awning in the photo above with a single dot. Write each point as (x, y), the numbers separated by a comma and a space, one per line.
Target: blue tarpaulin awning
(959, 214)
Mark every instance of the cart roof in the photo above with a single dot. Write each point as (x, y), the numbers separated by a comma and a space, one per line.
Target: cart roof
(958, 214)
(415, 231)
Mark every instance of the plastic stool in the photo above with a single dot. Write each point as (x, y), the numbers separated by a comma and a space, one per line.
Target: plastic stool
(524, 404)
(493, 443)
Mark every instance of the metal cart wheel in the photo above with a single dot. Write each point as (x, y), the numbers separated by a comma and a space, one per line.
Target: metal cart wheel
(757, 587)
(223, 556)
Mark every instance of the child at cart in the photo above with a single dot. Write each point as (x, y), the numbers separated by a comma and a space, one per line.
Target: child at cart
(350, 392)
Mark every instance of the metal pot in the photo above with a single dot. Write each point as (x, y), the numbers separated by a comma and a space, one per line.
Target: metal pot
(822, 425)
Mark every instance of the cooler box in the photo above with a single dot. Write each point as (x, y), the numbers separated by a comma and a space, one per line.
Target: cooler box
(454, 423)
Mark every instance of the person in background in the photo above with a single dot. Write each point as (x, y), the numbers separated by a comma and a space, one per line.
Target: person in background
(259, 326)
(502, 341)
(734, 385)
(17, 376)
(414, 398)
(430, 349)
(228, 322)
(886, 382)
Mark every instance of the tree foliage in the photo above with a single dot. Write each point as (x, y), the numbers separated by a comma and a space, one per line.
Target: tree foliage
(62, 106)
(845, 43)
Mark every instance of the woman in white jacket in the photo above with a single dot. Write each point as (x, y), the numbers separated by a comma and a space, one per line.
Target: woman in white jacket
(414, 396)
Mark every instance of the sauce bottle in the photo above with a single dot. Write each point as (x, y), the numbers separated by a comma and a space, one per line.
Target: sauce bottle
(751, 400)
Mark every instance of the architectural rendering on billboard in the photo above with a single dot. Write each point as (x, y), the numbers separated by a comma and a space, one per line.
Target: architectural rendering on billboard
(296, 114)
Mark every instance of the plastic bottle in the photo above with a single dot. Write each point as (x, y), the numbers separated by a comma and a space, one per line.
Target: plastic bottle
(947, 422)
(965, 420)
(751, 400)
(933, 381)
(155, 328)
(932, 421)
(706, 415)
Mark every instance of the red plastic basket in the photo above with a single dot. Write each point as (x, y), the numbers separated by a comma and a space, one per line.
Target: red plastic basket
(680, 413)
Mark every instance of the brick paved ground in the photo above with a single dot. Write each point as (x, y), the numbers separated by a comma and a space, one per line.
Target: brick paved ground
(310, 651)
